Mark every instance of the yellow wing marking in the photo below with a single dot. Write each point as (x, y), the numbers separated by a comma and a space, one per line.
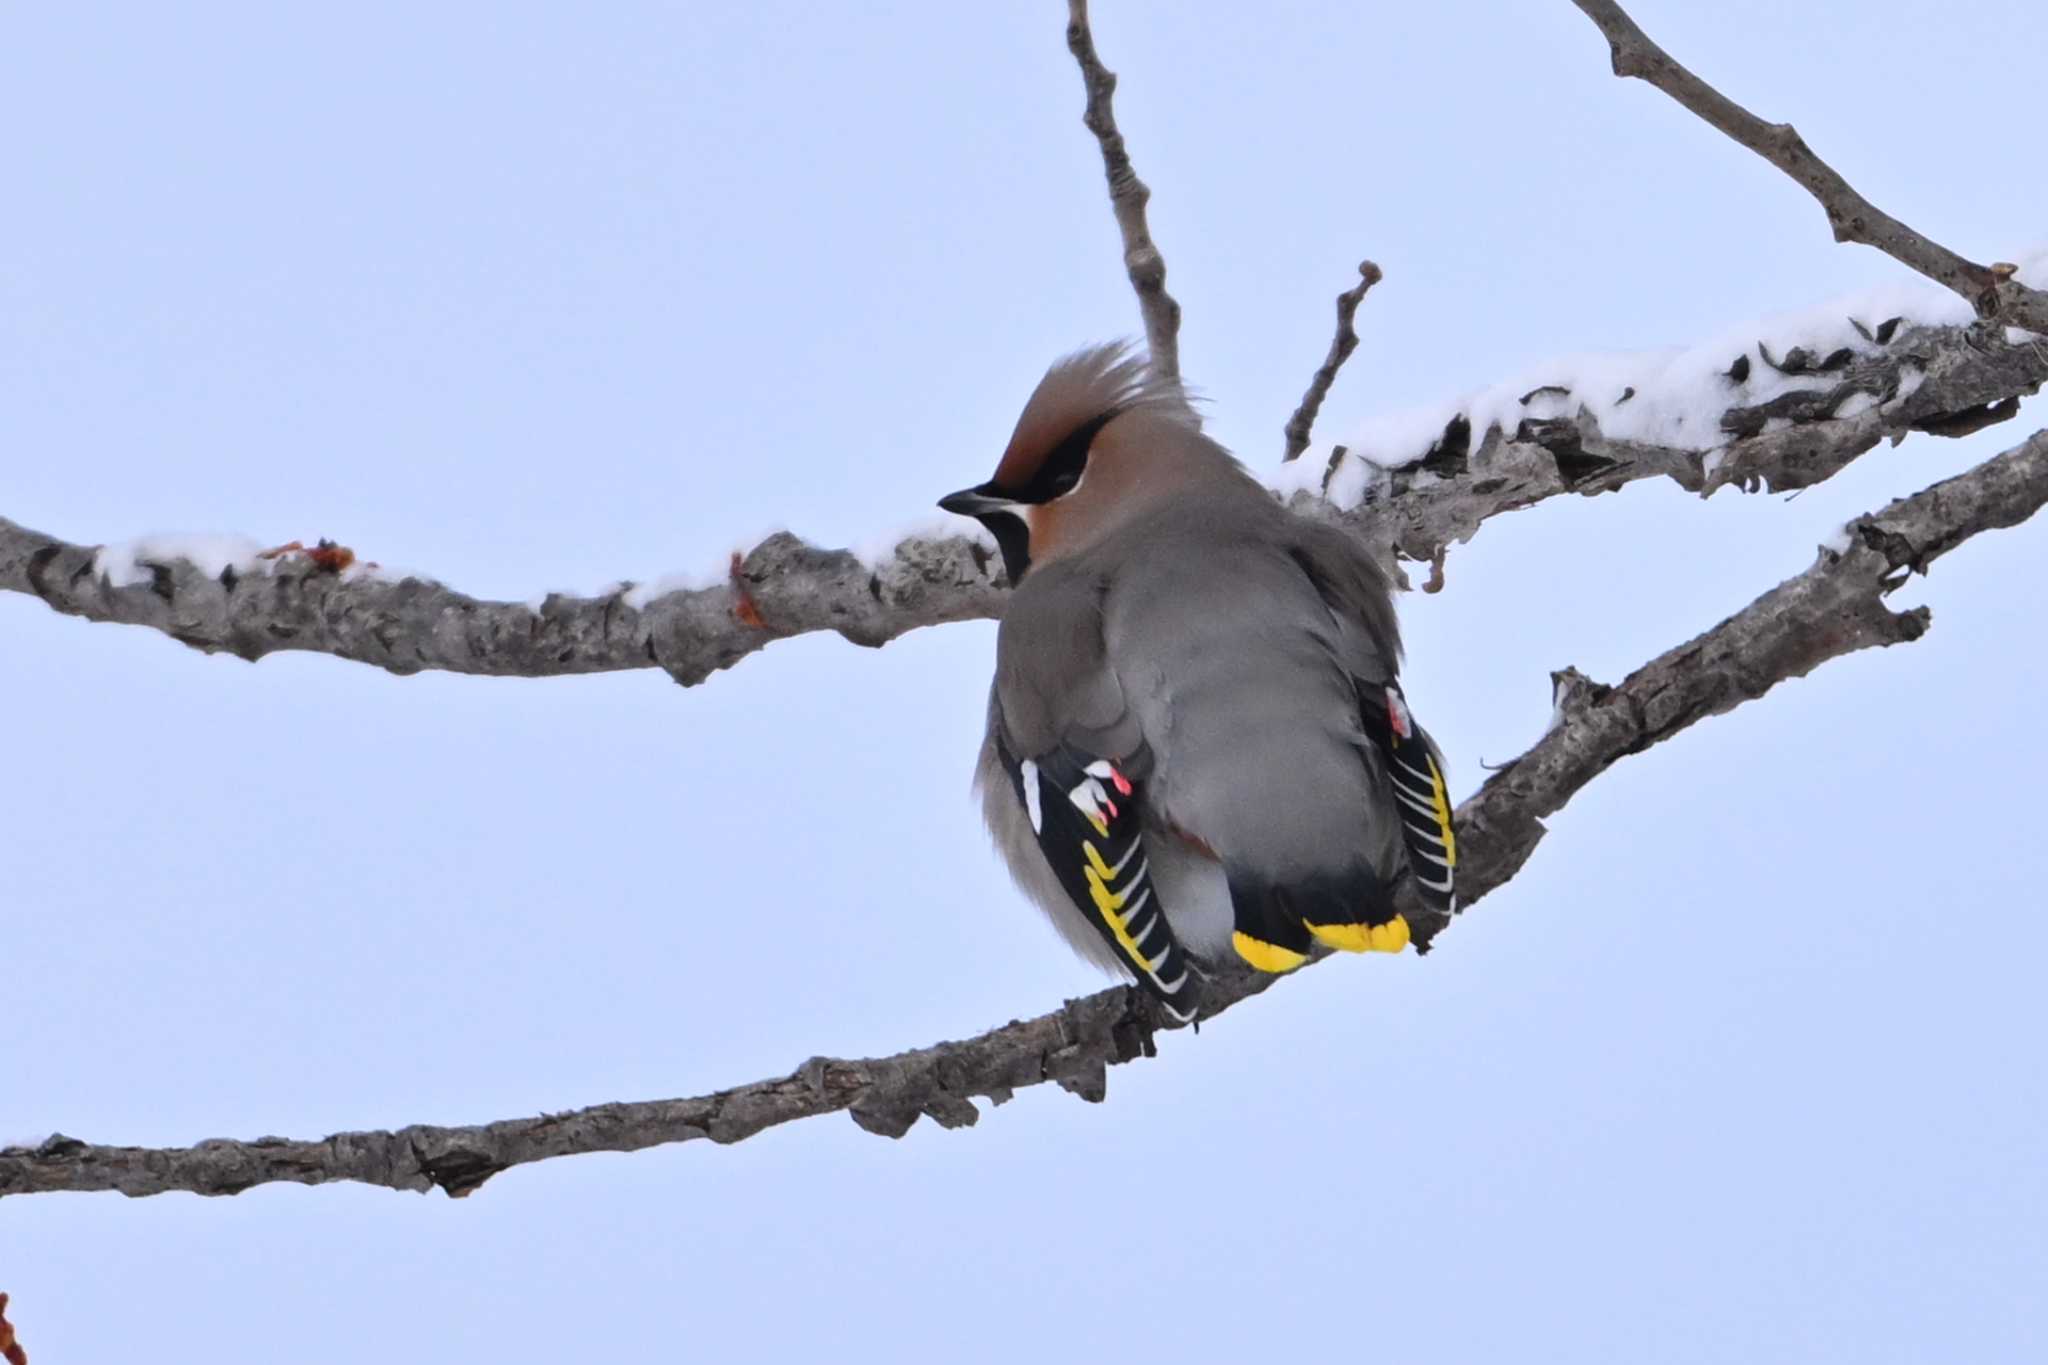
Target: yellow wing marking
(1390, 937)
(1443, 813)
(1097, 866)
(1267, 957)
(1107, 903)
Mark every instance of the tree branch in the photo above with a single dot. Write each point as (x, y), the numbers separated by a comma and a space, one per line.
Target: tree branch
(1945, 379)
(1991, 290)
(1341, 347)
(783, 587)
(1833, 608)
(1128, 196)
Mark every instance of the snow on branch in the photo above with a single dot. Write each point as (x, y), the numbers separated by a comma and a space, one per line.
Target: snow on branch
(1779, 404)
(1994, 290)
(1784, 411)
(221, 595)
(1835, 607)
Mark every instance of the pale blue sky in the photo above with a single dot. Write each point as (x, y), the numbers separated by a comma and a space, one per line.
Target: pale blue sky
(1744, 1066)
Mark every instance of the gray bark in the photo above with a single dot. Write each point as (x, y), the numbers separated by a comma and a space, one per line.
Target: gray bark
(1833, 608)
(1991, 289)
(1342, 345)
(785, 586)
(1969, 377)
(1972, 378)
(1128, 196)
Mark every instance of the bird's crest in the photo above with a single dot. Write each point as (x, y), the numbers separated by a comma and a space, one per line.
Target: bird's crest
(1078, 395)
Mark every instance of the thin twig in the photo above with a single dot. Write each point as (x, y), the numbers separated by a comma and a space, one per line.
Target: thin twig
(1991, 290)
(1834, 608)
(1341, 347)
(1127, 198)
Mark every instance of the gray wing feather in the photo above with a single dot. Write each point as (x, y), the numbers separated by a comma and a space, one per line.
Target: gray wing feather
(1053, 686)
(1241, 639)
(1054, 683)
(1010, 828)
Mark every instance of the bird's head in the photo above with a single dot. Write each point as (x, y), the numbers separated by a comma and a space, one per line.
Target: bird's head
(1101, 439)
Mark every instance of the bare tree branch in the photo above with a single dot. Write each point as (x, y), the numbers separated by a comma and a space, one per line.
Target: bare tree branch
(1341, 347)
(1128, 196)
(1942, 378)
(783, 587)
(1991, 290)
(1833, 608)
(1945, 380)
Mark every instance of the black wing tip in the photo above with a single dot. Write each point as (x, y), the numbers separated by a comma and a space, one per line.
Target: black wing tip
(1086, 814)
(1280, 924)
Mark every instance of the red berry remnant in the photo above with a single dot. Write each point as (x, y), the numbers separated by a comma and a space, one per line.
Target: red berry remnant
(746, 609)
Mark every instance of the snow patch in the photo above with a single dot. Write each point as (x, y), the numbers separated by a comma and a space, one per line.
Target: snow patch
(1672, 397)
(129, 562)
(641, 594)
(877, 551)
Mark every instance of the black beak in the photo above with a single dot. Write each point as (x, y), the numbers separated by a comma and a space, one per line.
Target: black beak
(978, 501)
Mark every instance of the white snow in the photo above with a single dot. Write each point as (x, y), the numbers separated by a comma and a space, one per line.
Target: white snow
(878, 550)
(875, 552)
(640, 594)
(1909, 385)
(1557, 691)
(128, 561)
(1672, 397)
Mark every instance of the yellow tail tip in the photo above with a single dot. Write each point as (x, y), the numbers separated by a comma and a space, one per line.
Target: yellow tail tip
(1390, 937)
(1267, 957)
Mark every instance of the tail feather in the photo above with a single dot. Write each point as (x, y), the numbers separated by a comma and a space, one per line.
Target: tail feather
(1278, 924)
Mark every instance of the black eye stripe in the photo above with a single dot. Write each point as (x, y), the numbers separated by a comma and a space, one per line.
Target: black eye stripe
(1065, 464)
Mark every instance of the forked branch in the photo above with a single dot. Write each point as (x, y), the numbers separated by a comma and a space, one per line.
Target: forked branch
(1922, 379)
(1833, 608)
(1991, 290)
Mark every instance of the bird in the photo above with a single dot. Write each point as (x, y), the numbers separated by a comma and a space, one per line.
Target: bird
(1197, 743)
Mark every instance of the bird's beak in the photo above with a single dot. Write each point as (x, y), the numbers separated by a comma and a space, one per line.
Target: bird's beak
(978, 501)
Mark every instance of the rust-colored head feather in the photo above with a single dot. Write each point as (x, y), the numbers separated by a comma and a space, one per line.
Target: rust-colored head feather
(1079, 394)
(1102, 440)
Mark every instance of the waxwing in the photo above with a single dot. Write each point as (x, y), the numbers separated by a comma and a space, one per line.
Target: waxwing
(1196, 743)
